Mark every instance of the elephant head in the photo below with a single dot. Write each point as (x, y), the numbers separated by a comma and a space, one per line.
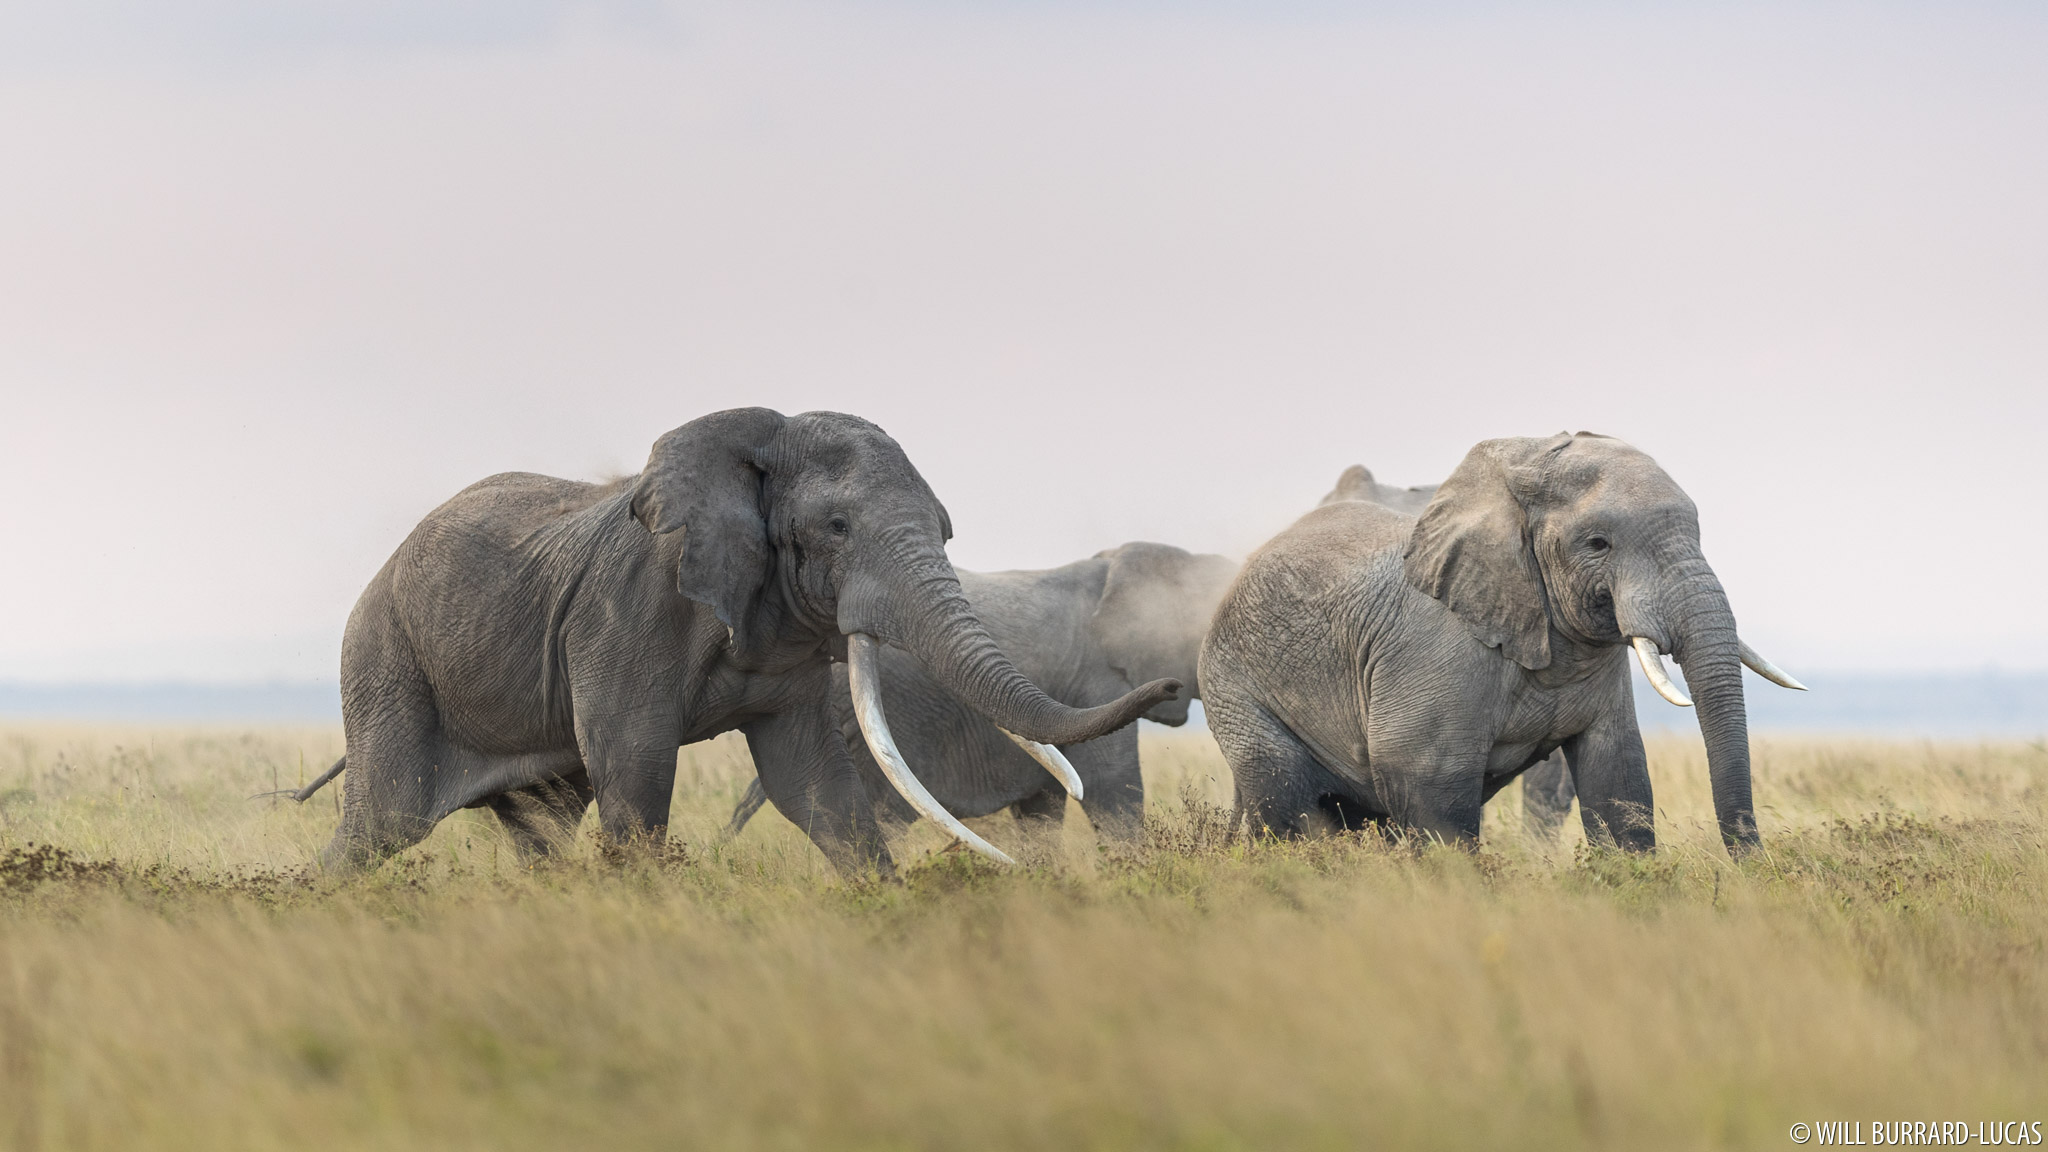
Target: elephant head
(815, 532)
(1157, 601)
(1578, 542)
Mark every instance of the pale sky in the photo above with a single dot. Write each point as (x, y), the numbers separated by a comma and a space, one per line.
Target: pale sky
(276, 279)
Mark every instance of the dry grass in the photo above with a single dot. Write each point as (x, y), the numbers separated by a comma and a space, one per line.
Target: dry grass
(173, 985)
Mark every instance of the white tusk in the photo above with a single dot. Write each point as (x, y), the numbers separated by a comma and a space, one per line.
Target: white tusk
(1768, 670)
(1054, 760)
(863, 676)
(1653, 667)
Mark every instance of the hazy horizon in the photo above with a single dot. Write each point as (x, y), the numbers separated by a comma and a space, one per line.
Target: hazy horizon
(1982, 705)
(275, 280)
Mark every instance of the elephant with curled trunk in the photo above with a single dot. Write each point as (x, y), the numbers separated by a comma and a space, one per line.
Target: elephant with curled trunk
(1086, 633)
(1373, 667)
(535, 642)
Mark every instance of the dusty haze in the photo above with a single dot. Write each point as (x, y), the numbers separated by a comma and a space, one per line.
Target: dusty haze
(276, 280)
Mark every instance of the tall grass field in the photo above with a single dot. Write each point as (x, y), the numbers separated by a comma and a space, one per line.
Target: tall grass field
(173, 975)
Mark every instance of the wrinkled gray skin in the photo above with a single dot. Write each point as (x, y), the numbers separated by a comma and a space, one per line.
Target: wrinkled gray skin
(1086, 633)
(1371, 667)
(1546, 788)
(538, 642)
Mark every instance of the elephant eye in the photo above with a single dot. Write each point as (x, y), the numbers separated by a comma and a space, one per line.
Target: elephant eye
(838, 525)
(1598, 544)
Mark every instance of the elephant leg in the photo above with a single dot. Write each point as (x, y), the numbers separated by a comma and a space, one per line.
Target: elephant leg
(1546, 798)
(543, 817)
(1113, 786)
(1612, 775)
(387, 803)
(805, 772)
(1277, 780)
(389, 796)
(1448, 806)
(634, 780)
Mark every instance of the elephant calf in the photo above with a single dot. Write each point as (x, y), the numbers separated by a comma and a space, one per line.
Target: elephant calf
(1373, 667)
(1085, 633)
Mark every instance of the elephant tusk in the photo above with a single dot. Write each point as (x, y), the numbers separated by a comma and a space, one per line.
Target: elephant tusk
(1768, 670)
(863, 676)
(1653, 667)
(1054, 760)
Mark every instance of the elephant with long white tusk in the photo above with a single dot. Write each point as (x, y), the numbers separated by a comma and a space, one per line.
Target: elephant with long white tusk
(536, 643)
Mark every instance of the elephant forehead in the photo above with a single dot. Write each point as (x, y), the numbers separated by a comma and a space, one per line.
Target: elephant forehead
(826, 443)
(828, 453)
(846, 464)
(1607, 471)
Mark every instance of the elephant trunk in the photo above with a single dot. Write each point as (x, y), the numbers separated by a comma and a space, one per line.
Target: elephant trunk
(1705, 644)
(934, 621)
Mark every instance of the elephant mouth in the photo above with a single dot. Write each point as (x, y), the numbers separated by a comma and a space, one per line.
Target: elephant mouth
(864, 668)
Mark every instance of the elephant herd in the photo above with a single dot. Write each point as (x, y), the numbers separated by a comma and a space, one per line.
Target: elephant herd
(1392, 659)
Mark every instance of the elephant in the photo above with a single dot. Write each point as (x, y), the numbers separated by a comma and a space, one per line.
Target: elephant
(1373, 668)
(538, 643)
(1547, 788)
(1356, 483)
(1086, 632)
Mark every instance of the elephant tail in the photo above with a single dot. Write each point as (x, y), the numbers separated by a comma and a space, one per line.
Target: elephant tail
(748, 805)
(306, 793)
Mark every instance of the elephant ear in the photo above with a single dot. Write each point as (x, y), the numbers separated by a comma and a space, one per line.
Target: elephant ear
(705, 480)
(1157, 601)
(1471, 549)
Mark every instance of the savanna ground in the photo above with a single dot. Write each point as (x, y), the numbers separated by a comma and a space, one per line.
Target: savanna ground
(173, 979)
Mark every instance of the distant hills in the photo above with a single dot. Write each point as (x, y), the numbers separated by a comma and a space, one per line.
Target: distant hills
(1947, 705)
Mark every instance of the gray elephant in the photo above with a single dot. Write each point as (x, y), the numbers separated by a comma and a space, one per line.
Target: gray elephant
(1357, 483)
(1086, 633)
(1547, 788)
(535, 642)
(1371, 667)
